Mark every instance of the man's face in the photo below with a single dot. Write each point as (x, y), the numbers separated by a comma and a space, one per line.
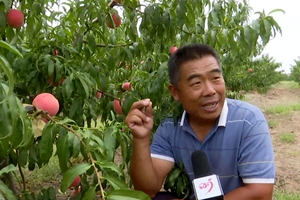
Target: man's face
(201, 89)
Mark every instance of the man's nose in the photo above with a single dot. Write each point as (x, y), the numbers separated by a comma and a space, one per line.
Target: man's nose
(208, 89)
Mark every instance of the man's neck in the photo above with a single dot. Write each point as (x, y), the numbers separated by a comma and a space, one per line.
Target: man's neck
(201, 127)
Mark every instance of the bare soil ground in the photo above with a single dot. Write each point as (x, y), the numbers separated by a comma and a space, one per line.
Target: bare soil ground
(287, 154)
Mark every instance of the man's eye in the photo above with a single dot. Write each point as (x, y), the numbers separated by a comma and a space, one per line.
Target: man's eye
(196, 83)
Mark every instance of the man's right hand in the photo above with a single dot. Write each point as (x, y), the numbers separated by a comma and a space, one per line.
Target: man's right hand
(140, 119)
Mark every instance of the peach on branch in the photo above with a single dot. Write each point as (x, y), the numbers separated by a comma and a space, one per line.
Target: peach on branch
(55, 52)
(126, 86)
(116, 19)
(98, 95)
(46, 102)
(15, 18)
(75, 182)
(173, 49)
(118, 107)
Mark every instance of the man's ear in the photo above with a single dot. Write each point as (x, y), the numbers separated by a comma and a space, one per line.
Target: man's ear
(174, 91)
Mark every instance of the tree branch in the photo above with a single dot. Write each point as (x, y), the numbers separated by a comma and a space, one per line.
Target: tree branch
(110, 45)
(21, 172)
(109, 95)
(184, 31)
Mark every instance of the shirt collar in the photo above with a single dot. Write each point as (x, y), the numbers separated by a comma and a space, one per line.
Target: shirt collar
(223, 116)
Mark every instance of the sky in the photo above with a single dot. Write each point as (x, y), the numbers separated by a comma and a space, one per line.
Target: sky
(283, 48)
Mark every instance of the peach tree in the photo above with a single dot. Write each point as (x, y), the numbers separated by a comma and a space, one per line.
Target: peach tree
(82, 54)
(257, 74)
(295, 70)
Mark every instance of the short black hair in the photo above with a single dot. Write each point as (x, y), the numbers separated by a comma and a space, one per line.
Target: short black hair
(187, 53)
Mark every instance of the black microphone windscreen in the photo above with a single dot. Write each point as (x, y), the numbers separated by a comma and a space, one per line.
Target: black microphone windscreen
(200, 163)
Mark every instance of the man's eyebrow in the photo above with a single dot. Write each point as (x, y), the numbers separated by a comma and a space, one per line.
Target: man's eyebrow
(192, 76)
(218, 70)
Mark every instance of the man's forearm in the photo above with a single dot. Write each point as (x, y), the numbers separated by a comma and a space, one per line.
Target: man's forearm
(251, 192)
(142, 173)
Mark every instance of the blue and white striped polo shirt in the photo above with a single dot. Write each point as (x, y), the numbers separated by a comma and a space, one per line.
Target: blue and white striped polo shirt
(238, 147)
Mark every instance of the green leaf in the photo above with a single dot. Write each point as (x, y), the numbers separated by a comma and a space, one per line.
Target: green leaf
(256, 26)
(276, 10)
(46, 144)
(90, 194)
(7, 169)
(110, 140)
(8, 72)
(248, 35)
(268, 31)
(98, 142)
(115, 182)
(128, 195)
(6, 191)
(103, 83)
(7, 4)
(85, 86)
(51, 69)
(275, 25)
(171, 178)
(63, 152)
(10, 48)
(23, 157)
(110, 165)
(91, 42)
(3, 22)
(73, 108)
(72, 173)
(17, 128)
(68, 87)
(5, 121)
(76, 147)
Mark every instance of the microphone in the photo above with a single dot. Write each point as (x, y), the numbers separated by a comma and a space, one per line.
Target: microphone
(206, 184)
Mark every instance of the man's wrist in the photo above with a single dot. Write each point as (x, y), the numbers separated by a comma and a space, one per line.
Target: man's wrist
(141, 141)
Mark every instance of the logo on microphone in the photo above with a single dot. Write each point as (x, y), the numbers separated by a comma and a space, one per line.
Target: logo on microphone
(208, 185)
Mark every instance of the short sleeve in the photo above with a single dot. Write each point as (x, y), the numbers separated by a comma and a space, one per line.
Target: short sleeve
(256, 155)
(161, 147)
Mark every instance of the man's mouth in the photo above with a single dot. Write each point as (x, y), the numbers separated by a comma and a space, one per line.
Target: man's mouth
(210, 105)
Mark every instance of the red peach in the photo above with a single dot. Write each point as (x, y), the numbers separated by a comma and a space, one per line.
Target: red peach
(98, 95)
(126, 86)
(15, 18)
(173, 49)
(55, 52)
(75, 182)
(118, 107)
(46, 102)
(116, 19)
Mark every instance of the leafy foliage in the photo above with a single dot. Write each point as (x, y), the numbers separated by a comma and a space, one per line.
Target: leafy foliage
(256, 74)
(295, 71)
(72, 54)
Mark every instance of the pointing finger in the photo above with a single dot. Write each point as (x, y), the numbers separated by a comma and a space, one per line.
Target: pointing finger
(140, 104)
